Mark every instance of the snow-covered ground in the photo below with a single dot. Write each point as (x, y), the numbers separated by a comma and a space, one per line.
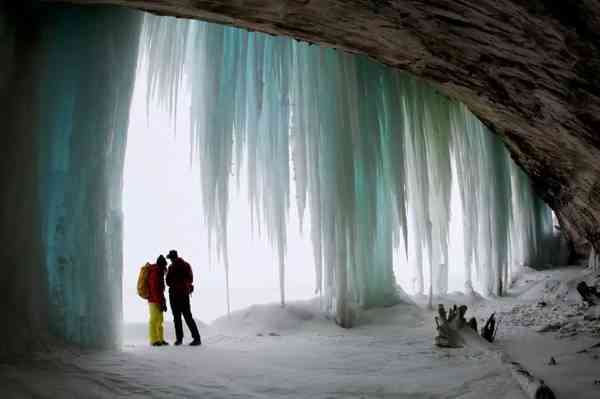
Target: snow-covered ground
(269, 352)
(544, 317)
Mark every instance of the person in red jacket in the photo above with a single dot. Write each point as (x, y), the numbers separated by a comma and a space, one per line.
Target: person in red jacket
(180, 280)
(156, 301)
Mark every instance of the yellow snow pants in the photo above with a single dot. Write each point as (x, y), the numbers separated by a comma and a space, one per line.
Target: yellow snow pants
(156, 323)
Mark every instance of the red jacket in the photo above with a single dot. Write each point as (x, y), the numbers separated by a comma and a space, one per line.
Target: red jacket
(156, 284)
(180, 277)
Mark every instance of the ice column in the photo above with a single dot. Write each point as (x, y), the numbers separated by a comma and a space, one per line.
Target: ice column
(65, 80)
(88, 58)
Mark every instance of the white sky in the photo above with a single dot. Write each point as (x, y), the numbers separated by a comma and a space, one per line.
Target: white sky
(162, 208)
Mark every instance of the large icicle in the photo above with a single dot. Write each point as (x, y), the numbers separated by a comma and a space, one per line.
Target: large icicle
(372, 151)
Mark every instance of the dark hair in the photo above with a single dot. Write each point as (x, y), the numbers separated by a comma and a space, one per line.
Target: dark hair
(161, 261)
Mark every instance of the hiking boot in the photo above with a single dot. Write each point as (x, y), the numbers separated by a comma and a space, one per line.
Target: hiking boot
(196, 342)
(178, 342)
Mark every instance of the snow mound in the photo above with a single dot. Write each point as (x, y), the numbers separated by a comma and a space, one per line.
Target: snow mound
(308, 317)
(558, 285)
(272, 318)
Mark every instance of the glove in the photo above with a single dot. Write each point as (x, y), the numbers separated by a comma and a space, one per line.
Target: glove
(163, 306)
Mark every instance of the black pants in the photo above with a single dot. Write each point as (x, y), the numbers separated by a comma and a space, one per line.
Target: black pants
(180, 305)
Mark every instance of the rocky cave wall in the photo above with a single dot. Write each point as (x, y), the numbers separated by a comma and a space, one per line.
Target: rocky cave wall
(24, 316)
(530, 70)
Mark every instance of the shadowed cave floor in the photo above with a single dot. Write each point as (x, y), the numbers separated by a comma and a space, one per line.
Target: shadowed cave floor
(267, 352)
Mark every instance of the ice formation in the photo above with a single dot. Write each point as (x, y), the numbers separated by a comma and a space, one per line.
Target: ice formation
(86, 86)
(66, 82)
(371, 151)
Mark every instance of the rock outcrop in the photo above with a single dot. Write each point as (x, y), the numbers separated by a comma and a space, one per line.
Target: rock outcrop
(529, 69)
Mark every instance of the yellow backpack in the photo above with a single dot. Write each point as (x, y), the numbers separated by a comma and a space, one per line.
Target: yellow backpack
(142, 283)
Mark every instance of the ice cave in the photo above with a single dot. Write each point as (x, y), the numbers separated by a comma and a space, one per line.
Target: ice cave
(350, 181)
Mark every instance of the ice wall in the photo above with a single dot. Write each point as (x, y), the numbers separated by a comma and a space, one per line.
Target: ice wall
(89, 58)
(371, 149)
(66, 84)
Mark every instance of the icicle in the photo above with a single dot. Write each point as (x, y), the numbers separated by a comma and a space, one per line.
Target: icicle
(227, 291)
(372, 150)
(594, 261)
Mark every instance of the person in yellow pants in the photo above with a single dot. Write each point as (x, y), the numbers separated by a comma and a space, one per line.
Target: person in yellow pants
(156, 332)
(156, 301)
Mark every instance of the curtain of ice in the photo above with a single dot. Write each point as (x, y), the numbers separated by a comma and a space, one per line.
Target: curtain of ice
(66, 77)
(86, 80)
(371, 149)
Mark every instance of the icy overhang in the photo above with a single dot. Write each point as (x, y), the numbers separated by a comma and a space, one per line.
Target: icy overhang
(528, 70)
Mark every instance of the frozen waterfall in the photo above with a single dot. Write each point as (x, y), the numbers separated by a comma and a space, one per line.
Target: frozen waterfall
(372, 151)
(66, 82)
(85, 86)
